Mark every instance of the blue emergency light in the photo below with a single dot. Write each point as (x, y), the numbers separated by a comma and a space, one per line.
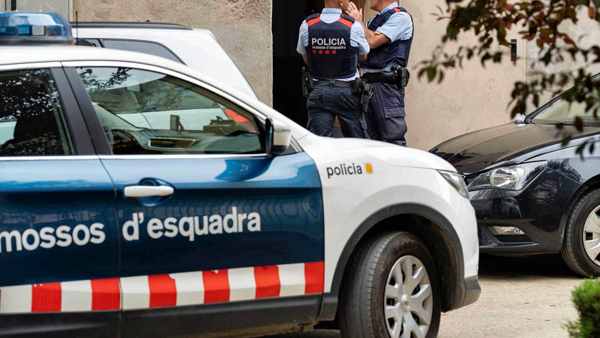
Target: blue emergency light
(36, 28)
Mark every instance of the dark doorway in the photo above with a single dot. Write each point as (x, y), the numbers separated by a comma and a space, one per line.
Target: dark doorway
(287, 64)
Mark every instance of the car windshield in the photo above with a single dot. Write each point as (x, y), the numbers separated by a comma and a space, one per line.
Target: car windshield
(563, 111)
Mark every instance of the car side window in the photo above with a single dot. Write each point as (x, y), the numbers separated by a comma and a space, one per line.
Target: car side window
(145, 112)
(88, 42)
(31, 115)
(146, 47)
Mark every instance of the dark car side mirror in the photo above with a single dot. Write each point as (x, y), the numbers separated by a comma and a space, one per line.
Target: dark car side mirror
(278, 138)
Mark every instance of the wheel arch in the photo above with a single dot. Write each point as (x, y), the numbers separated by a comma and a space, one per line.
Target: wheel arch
(426, 223)
(585, 188)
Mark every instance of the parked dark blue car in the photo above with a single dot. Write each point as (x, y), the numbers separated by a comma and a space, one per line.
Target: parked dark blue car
(533, 195)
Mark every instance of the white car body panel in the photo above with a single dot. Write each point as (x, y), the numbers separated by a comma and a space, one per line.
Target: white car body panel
(400, 176)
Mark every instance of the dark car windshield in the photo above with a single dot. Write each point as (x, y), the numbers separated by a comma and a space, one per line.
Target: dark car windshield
(563, 111)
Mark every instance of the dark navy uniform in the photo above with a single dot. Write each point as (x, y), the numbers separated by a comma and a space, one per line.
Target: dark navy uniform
(386, 116)
(331, 44)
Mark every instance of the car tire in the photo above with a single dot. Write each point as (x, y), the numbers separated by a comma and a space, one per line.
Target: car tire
(365, 303)
(577, 237)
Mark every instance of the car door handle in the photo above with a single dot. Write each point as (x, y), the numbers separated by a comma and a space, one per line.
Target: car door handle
(145, 191)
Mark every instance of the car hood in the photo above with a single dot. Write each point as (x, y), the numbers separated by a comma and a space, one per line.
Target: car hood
(476, 151)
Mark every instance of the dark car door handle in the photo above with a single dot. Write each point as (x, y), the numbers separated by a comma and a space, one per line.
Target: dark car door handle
(145, 191)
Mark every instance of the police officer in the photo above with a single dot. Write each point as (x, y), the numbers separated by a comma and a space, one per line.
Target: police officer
(332, 45)
(390, 36)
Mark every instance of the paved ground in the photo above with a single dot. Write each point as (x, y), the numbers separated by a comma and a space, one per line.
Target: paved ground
(521, 298)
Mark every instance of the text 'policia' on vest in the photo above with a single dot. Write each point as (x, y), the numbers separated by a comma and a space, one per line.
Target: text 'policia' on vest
(395, 53)
(330, 51)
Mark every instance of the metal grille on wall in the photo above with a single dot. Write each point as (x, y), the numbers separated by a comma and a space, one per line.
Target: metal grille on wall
(63, 7)
(8, 5)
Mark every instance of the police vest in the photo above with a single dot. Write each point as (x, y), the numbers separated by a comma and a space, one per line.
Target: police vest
(330, 52)
(396, 53)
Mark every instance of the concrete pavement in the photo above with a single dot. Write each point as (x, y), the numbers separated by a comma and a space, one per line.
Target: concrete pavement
(522, 298)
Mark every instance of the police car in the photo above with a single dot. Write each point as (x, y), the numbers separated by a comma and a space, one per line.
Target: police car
(140, 198)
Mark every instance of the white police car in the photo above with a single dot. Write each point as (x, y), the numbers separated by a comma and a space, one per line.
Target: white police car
(141, 199)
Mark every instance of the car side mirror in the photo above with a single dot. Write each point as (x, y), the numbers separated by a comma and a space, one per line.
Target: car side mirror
(278, 138)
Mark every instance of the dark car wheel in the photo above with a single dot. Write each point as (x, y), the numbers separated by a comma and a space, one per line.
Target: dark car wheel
(581, 249)
(392, 291)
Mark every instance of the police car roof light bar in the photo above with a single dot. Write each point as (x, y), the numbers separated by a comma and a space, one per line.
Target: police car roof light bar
(17, 28)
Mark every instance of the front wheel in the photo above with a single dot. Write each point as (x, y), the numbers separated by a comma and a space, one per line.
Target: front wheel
(391, 291)
(581, 250)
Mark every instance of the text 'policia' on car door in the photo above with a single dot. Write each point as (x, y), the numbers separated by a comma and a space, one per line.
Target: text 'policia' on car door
(205, 215)
(57, 221)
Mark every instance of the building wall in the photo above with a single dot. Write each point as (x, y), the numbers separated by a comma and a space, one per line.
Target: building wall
(243, 27)
(469, 99)
(60, 6)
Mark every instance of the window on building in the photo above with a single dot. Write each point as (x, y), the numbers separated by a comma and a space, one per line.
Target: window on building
(62, 7)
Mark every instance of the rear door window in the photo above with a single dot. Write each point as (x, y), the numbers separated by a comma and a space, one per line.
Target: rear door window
(31, 115)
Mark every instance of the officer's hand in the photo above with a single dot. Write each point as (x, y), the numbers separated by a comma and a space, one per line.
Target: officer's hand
(352, 10)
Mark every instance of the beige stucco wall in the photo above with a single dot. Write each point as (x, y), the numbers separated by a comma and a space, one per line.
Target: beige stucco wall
(468, 99)
(243, 27)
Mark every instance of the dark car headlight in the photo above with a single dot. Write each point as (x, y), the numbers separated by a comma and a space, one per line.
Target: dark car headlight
(457, 181)
(514, 177)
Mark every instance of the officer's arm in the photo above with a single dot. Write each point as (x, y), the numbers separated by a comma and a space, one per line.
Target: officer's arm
(303, 41)
(359, 39)
(375, 39)
(398, 27)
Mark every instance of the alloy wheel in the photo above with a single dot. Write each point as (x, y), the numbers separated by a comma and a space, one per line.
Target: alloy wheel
(408, 302)
(591, 236)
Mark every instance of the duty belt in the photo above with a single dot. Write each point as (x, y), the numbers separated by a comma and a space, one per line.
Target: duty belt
(385, 77)
(398, 76)
(334, 83)
(309, 83)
